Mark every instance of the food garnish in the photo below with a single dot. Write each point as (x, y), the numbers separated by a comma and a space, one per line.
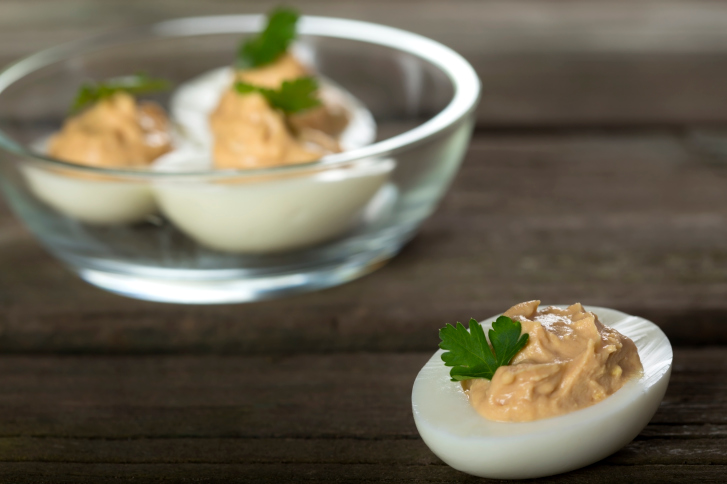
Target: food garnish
(292, 97)
(272, 42)
(469, 353)
(92, 92)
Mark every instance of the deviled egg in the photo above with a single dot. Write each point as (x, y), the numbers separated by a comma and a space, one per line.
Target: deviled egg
(268, 114)
(277, 214)
(585, 384)
(96, 201)
(112, 130)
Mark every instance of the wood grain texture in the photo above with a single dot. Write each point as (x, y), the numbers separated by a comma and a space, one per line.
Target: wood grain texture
(634, 222)
(330, 473)
(542, 62)
(582, 183)
(332, 418)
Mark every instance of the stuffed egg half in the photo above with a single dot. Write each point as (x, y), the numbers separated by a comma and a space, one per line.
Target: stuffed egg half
(268, 213)
(89, 198)
(93, 201)
(462, 438)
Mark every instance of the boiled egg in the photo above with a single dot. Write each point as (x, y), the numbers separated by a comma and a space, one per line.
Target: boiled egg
(275, 213)
(271, 213)
(465, 440)
(96, 200)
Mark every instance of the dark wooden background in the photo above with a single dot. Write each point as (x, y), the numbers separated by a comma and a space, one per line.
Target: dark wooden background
(593, 176)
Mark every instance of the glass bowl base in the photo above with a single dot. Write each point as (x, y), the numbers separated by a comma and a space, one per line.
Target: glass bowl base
(232, 290)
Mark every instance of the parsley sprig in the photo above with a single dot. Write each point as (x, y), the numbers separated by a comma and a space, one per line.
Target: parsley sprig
(92, 92)
(469, 354)
(272, 42)
(292, 96)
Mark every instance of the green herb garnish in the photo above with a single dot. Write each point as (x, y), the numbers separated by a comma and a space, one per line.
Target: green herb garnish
(469, 353)
(272, 42)
(292, 97)
(92, 92)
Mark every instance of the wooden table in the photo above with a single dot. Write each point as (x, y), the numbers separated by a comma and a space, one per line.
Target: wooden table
(605, 197)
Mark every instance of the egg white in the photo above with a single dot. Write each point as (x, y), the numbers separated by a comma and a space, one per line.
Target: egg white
(95, 202)
(281, 213)
(465, 440)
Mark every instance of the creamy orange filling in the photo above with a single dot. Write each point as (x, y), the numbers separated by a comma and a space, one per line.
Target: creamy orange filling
(285, 68)
(571, 361)
(248, 133)
(114, 132)
(330, 120)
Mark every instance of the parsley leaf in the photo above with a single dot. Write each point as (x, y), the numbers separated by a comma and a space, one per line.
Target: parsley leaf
(469, 353)
(93, 92)
(272, 42)
(293, 96)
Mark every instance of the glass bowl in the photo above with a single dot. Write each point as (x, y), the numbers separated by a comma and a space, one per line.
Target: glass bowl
(239, 235)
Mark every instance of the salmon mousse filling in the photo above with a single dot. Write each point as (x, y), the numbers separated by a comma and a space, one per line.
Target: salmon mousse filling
(568, 361)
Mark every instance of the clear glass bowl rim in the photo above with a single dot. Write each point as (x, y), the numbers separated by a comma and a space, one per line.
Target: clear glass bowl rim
(462, 75)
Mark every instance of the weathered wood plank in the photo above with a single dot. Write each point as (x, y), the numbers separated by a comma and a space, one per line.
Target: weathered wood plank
(353, 396)
(302, 397)
(405, 452)
(489, 25)
(696, 431)
(338, 417)
(636, 223)
(385, 451)
(36, 472)
(552, 62)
